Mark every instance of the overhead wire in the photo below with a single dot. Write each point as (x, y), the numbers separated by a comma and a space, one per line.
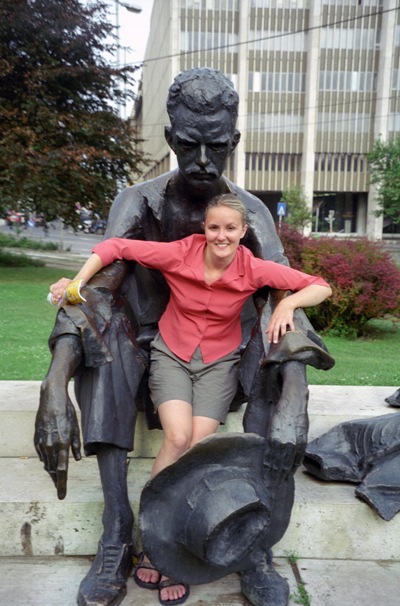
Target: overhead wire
(369, 95)
(316, 108)
(264, 38)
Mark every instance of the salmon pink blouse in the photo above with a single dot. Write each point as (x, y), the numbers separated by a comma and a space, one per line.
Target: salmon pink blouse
(201, 314)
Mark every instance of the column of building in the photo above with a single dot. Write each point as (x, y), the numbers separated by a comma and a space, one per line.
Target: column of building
(382, 111)
(311, 100)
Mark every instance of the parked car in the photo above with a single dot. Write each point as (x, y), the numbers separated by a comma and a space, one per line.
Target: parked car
(98, 226)
(15, 218)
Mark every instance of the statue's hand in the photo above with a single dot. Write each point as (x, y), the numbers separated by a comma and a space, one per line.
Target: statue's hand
(56, 431)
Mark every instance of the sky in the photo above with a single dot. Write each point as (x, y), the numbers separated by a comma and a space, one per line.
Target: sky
(134, 28)
(133, 31)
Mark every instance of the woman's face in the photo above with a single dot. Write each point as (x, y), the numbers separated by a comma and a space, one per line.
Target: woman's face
(223, 229)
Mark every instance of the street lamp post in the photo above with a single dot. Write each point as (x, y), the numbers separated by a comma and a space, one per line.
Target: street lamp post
(132, 8)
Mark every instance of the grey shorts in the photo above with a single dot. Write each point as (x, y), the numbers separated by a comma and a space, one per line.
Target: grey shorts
(209, 388)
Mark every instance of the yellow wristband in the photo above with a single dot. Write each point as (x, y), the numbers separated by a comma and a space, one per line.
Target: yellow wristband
(72, 294)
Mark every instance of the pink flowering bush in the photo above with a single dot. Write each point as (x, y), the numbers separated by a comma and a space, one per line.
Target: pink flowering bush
(364, 279)
(293, 243)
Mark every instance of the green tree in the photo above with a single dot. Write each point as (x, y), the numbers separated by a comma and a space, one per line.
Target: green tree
(62, 139)
(299, 213)
(384, 168)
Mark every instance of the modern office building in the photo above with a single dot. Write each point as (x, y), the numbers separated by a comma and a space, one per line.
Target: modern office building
(318, 81)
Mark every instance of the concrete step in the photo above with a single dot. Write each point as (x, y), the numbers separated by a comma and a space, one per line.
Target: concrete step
(327, 520)
(54, 581)
(328, 406)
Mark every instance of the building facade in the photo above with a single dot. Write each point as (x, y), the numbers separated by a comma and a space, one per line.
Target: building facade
(318, 81)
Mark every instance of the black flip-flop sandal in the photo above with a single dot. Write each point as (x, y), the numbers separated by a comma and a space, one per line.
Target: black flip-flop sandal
(171, 583)
(147, 566)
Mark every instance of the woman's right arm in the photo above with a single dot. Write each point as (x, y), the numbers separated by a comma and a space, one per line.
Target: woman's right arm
(156, 255)
(87, 271)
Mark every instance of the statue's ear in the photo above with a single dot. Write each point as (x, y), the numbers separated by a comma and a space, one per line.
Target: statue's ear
(235, 139)
(168, 135)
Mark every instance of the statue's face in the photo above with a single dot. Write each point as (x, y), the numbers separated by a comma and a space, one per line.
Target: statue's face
(202, 144)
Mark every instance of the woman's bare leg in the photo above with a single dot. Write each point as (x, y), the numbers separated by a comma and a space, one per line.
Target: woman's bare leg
(176, 420)
(181, 431)
(203, 427)
(177, 423)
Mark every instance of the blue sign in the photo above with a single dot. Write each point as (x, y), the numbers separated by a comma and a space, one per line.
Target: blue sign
(281, 209)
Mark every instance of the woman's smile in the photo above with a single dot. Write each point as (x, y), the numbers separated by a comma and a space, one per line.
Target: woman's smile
(223, 229)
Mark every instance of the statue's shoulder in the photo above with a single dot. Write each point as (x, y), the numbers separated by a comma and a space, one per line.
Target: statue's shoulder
(130, 207)
(252, 203)
(133, 202)
(152, 191)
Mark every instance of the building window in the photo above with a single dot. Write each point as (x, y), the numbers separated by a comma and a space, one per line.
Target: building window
(335, 162)
(275, 82)
(344, 122)
(280, 3)
(266, 161)
(348, 81)
(396, 79)
(397, 35)
(201, 41)
(394, 123)
(216, 5)
(277, 41)
(275, 123)
(347, 39)
(346, 162)
(194, 4)
(372, 3)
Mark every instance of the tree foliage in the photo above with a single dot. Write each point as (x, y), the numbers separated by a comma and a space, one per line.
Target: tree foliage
(62, 139)
(384, 168)
(299, 213)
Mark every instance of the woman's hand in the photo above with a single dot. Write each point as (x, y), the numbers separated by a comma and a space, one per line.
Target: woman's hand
(282, 317)
(57, 289)
(281, 321)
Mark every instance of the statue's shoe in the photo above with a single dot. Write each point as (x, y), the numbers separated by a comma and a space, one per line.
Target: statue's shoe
(105, 583)
(394, 399)
(265, 588)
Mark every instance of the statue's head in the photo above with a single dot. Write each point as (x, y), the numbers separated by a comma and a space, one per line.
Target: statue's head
(203, 90)
(203, 107)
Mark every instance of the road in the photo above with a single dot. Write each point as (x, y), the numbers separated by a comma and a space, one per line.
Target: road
(67, 239)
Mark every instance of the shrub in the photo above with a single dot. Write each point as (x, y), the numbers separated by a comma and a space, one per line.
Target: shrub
(364, 280)
(9, 241)
(9, 260)
(293, 243)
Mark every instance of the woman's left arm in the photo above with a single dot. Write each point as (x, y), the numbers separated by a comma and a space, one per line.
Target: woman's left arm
(282, 316)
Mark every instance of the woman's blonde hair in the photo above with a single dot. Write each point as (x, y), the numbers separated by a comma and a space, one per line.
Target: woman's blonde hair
(230, 201)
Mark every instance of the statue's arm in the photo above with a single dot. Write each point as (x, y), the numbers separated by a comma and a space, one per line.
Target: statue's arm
(277, 405)
(288, 431)
(56, 426)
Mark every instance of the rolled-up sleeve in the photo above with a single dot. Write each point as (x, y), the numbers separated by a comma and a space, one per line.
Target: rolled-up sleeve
(275, 275)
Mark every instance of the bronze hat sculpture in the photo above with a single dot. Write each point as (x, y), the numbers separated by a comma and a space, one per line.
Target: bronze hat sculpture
(209, 513)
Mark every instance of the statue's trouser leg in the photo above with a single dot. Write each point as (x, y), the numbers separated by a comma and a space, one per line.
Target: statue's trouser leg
(264, 586)
(105, 583)
(278, 410)
(117, 514)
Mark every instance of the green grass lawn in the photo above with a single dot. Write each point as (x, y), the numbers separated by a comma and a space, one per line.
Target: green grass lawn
(371, 360)
(26, 321)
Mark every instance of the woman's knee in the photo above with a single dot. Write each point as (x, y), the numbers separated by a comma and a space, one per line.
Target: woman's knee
(177, 441)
